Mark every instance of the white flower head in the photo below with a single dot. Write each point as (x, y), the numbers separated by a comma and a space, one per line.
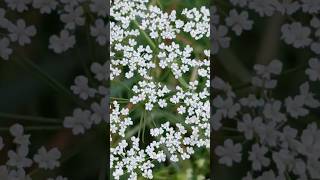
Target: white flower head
(47, 159)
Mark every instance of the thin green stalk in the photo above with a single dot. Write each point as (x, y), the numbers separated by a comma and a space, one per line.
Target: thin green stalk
(297, 69)
(183, 82)
(132, 132)
(29, 118)
(36, 128)
(144, 34)
(287, 72)
(122, 84)
(91, 48)
(140, 125)
(47, 76)
(194, 74)
(229, 129)
(84, 64)
(32, 67)
(116, 98)
(144, 124)
(159, 4)
(156, 2)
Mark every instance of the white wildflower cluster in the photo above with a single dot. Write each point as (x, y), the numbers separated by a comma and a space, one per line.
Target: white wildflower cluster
(133, 160)
(167, 25)
(180, 61)
(147, 44)
(72, 14)
(197, 22)
(119, 120)
(149, 93)
(171, 55)
(19, 159)
(264, 122)
(137, 59)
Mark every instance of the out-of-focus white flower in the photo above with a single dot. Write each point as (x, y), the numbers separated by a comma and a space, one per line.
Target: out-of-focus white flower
(314, 71)
(45, 6)
(19, 158)
(99, 7)
(295, 106)
(100, 31)
(308, 96)
(272, 111)
(79, 122)
(220, 38)
(62, 43)
(257, 156)
(21, 33)
(295, 34)
(73, 17)
(47, 159)
(20, 138)
(229, 152)
(18, 5)
(82, 89)
(101, 71)
(262, 7)
(249, 126)
(310, 6)
(273, 68)
(239, 21)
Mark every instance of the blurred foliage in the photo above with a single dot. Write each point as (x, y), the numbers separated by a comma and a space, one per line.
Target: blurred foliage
(260, 45)
(30, 99)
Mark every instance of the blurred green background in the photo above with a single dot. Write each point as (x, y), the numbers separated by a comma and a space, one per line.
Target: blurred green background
(260, 45)
(30, 98)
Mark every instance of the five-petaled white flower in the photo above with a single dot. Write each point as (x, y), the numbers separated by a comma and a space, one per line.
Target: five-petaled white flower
(47, 159)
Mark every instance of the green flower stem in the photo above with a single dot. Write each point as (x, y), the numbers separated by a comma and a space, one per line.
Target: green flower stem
(287, 72)
(144, 124)
(144, 34)
(36, 128)
(297, 69)
(29, 118)
(116, 98)
(121, 84)
(132, 132)
(157, 3)
(153, 47)
(229, 129)
(183, 82)
(194, 74)
(32, 67)
(84, 62)
(164, 114)
(141, 123)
